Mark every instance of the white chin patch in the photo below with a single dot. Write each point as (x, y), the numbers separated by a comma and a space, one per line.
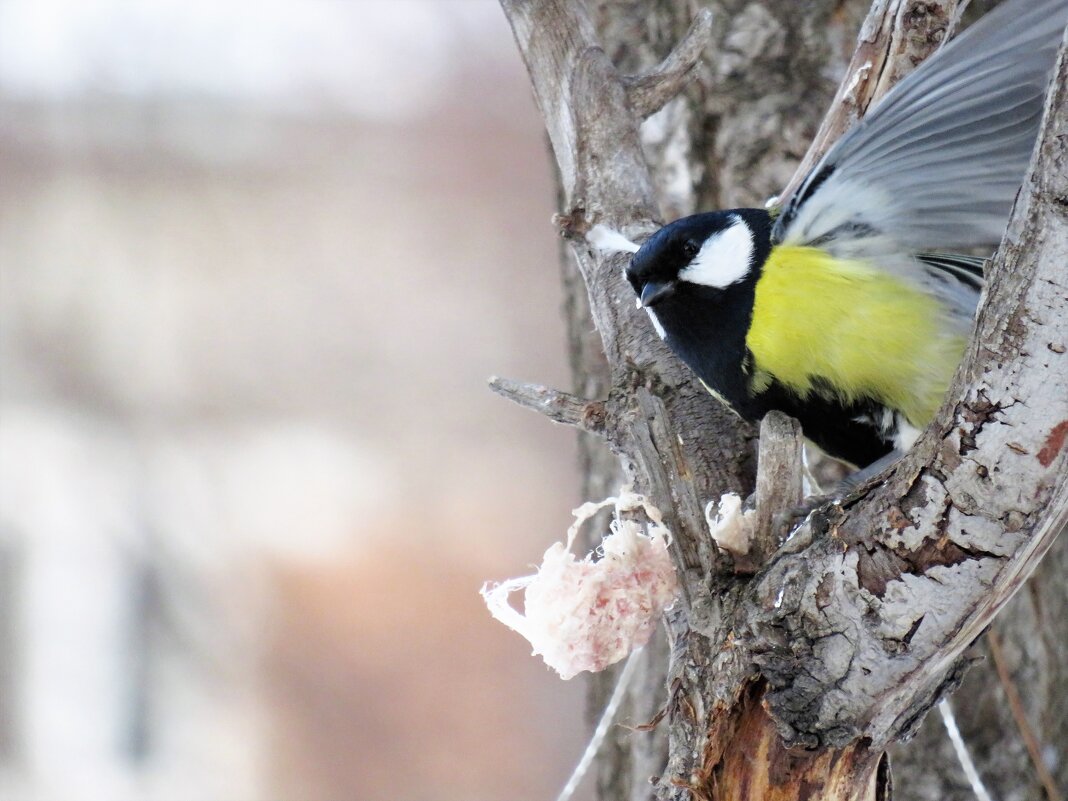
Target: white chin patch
(656, 323)
(724, 259)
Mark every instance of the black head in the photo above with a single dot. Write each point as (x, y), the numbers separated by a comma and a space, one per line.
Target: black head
(702, 254)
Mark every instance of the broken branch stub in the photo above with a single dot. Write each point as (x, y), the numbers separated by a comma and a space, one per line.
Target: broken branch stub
(560, 407)
(778, 484)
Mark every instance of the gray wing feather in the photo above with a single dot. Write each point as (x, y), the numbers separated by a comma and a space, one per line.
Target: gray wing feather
(965, 269)
(938, 162)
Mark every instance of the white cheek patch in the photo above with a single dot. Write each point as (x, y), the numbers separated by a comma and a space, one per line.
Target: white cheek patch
(724, 259)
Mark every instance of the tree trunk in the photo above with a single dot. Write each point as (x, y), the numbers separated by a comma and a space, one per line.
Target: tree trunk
(766, 57)
(734, 138)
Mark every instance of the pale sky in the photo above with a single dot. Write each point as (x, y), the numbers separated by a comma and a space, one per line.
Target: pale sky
(373, 58)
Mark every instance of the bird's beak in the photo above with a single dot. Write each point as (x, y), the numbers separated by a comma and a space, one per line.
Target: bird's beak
(655, 291)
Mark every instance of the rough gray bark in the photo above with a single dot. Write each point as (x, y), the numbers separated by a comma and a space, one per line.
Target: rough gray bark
(604, 180)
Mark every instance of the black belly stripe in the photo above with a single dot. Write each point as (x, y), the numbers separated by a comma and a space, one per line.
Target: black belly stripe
(846, 431)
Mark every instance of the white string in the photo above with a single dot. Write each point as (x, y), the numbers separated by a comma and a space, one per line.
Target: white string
(602, 728)
(963, 756)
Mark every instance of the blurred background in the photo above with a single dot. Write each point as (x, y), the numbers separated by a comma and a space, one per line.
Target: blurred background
(257, 260)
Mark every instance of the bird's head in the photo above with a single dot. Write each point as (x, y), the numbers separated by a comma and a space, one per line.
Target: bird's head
(700, 256)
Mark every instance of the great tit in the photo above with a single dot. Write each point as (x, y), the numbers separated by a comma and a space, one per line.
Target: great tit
(847, 307)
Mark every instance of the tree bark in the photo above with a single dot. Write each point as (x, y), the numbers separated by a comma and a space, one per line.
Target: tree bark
(702, 154)
(844, 668)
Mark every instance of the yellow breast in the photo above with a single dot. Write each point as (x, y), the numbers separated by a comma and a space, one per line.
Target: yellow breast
(865, 332)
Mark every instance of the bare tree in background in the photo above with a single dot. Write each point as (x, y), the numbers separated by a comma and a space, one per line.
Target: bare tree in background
(797, 681)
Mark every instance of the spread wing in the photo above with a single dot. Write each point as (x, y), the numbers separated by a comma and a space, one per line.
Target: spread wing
(938, 162)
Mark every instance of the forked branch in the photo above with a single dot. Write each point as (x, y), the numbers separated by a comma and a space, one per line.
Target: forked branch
(650, 91)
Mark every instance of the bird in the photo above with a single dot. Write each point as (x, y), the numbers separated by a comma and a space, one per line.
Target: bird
(849, 305)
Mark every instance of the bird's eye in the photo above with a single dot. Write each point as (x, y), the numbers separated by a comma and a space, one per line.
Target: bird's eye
(690, 249)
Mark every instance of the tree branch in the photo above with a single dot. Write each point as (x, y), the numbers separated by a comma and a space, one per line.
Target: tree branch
(560, 407)
(1034, 750)
(649, 92)
(896, 36)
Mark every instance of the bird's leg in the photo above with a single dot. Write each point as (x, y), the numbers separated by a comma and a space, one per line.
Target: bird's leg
(854, 480)
(845, 487)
